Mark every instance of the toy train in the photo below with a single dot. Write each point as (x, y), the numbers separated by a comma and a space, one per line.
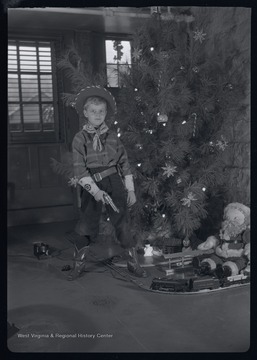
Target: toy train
(197, 283)
(236, 279)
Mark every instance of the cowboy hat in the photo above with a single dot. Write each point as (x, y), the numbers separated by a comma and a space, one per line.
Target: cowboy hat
(99, 91)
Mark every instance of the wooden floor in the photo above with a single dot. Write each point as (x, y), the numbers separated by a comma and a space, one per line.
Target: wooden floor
(101, 312)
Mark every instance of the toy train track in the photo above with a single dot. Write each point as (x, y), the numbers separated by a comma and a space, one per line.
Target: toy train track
(189, 286)
(175, 259)
(121, 271)
(188, 253)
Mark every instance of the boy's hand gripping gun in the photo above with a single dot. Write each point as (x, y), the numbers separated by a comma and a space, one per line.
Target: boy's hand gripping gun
(108, 200)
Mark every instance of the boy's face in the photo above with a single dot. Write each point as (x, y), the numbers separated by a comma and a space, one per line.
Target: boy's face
(95, 114)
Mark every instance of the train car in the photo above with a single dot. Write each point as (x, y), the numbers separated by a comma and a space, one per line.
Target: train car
(204, 283)
(197, 284)
(172, 285)
(235, 279)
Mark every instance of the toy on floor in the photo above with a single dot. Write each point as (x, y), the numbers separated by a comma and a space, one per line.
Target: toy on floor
(148, 249)
(218, 263)
(196, 283)
(232, 247)
(41, 249)
(186, 245)
(66, 268)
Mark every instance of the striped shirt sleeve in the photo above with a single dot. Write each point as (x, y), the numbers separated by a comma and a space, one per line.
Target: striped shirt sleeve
(79, 157)
(123, 158)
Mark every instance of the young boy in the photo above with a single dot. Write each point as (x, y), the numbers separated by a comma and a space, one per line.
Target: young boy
(97, 151)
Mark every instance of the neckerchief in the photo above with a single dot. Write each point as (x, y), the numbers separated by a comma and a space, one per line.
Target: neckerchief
(103, 128)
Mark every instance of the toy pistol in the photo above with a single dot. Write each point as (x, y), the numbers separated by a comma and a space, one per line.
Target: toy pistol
(108, 200)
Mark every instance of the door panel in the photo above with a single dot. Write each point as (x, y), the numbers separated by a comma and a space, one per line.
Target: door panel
(33, 185)
(19, 168)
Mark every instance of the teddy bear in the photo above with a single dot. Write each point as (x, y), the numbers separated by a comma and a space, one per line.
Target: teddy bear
(232, 247)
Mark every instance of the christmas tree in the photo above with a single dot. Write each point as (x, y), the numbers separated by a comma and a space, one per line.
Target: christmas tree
(172, 111)
(173, 107)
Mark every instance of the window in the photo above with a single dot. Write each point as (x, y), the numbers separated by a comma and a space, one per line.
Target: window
(118, 60)
(32, 102)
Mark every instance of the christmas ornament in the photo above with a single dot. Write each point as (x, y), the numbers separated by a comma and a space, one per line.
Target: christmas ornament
(211, 146)
(139, 164)
(179, 180)
(186, 201)
(194, 117)
(159, 81)
(136, 89)
(136, 54)
(204, 188)
(222, 144)
(152, 48)
(169, 170)
(229, 86)
(162, 118)
(139, 146)
(195, 69)
(199, 35)
(194, 128)
(172, 79)
(115, 122)
(184, 122)
(73, 181)
(182, 67)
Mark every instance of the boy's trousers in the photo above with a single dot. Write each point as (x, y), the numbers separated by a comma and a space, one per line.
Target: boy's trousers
(91, 210)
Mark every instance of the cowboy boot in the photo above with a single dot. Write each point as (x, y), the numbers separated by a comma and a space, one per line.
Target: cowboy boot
(133, 264)
(79, 263)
